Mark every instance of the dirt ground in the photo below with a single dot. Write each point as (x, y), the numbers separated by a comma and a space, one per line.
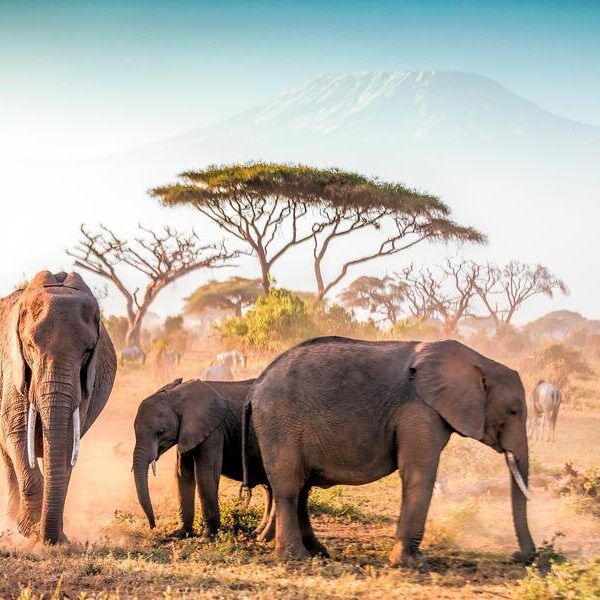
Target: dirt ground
(467, 545)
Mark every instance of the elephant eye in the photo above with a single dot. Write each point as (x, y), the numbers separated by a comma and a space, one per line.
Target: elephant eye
(513, 411)
(160, 431)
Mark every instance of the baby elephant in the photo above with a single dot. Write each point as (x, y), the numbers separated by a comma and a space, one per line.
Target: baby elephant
(205, 420)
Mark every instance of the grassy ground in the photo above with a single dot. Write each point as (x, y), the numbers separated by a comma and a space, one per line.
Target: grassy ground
(468, 541)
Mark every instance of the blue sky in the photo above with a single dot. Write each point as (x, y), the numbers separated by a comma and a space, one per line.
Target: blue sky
(82, 78)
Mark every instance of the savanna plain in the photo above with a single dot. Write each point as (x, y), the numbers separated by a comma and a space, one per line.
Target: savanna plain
(468, 541)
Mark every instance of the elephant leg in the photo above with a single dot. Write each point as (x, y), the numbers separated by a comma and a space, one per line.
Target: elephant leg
(268, 533)
(207, 463)
(418, 460)
(266, 513)
(186, 484)
(12, 485)
(312, 544)
(287, 480)
(31, 488)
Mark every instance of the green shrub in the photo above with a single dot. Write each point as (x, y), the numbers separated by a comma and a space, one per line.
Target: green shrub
(572, 581)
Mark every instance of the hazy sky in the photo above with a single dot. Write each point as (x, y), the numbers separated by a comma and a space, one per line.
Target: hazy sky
(80, 78)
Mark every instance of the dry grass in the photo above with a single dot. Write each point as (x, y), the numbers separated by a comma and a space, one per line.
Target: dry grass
(467, 544)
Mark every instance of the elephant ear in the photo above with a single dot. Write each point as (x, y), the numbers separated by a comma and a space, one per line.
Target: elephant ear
(169, 386)
(18, 366)
(99, 378)
(202, 411)
(447, 377)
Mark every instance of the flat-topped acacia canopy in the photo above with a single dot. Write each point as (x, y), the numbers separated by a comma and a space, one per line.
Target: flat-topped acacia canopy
(258, 202)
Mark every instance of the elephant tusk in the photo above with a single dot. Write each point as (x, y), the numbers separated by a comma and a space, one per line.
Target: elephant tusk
(153, 465)
(76, 437)
(31, 436)
(512, 465)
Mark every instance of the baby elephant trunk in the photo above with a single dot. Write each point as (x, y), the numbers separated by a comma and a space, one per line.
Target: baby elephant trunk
(141, 462)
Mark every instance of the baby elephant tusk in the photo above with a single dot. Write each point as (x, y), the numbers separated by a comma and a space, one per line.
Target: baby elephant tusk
(512, 465)
(153, 465)
(31, 436)
(76, 437)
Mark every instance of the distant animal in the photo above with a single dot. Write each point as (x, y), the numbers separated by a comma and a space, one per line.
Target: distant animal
(162, 363)
(205, 420)
(132, 354)
(543, 405)
(217, 373)
(336, 411)
(234, 359)
(57, 366)
(173, 356)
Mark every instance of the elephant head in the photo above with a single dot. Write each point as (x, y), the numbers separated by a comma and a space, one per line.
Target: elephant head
(484, 400)
(177, 413)
(54, 334)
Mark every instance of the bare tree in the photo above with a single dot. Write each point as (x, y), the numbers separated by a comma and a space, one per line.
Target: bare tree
(161, 258)
(445, 292)
(504, 290)
(383, 296)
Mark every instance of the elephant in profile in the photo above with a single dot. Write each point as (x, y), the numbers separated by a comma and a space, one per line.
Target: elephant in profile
(57, 367)
(542, 410)
(205, 420)
(340, 411)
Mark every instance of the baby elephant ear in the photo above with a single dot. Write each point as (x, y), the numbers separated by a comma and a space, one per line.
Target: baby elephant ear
(169, 386)
(203, 410)
(447, 377)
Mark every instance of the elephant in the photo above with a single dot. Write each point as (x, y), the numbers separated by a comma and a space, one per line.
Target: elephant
(57, 367)
(334, 410)
(217, 373)
(205, 421)
(132, 354)
(542, 409)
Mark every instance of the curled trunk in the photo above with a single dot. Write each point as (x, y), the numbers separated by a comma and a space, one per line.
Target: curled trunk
(140, 473)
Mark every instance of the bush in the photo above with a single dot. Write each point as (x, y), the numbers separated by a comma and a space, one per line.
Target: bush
(283, 319)
(117, 329)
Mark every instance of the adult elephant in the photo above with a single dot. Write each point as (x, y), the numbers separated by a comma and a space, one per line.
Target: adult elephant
(339, 411)
(57, 366)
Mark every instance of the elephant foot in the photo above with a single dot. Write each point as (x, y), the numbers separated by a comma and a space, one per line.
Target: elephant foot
(524, 557)
(400, 557)
(180, 534)
(292, 552)
(317, 549)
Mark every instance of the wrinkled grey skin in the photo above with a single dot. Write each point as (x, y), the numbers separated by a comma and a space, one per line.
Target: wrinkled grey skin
(217, 373)
(543, 405)
(56, 354)
(205, 420)
(337, 411)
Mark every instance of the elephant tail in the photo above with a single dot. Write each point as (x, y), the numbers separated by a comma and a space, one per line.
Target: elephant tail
(246, 421)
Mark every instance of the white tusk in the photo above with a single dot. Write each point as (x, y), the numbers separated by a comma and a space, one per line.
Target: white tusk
(76, 437)
(512, 465)
(153, 465)
(31, 417)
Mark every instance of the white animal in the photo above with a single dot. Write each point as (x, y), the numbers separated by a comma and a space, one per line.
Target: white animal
(217, 373)
(234, 359)
(542, 410)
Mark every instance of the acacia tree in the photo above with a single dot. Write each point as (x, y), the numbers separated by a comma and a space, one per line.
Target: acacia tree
(446, 292)
(383, 296)
(234, 294)
(504, 290)
(275, 207)
(160, 258)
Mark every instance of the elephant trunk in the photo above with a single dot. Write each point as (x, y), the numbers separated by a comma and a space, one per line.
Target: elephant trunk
(55, 418)
(141, 462)
(517, 458)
